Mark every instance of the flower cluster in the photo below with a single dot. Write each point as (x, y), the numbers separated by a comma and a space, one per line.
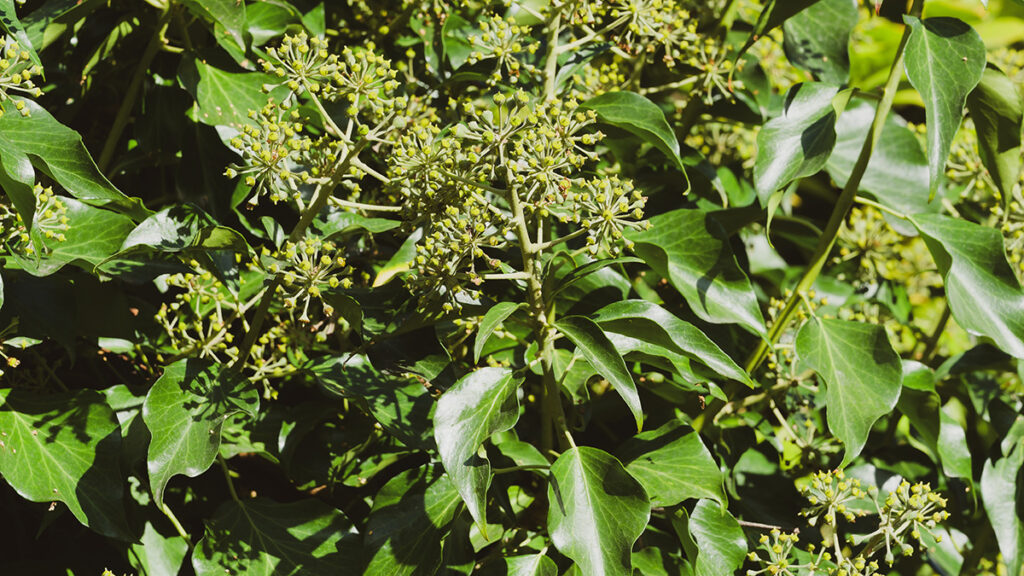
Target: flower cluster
(16, 73)
(830, 495)
(198, 321)
(505, 42)
(307, 269)
(909, 510)
(50, 220)
(650, 25)
(274, 153)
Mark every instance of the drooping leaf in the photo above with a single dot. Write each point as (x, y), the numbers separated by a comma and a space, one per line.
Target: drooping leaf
(596, 511)
(594, 345)
(818, 39)
(65, 448)
(228, 14)
(691, 250)
(478, 405)
(673, 464)
(939, 430)
(638, 116)
(1000, 494)
(184, 411)
(721, 545)
(263, 538)
(158, 555)
(649, 322)
(862, 375)
(983, 292)
(798, 143)
(411, 515)
(494, 317)
(998, 112)
(945, 59)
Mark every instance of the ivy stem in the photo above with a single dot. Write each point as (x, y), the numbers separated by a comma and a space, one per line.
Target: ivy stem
(883, 208)
(512, 469)
(551, 59)
(177, 525)
(227, 478)
(843, 203)
(121, 119)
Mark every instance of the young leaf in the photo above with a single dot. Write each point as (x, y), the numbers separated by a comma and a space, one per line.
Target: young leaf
(594, 345)
(818, 39)
(945, 59)
(997, 110)
(494, 317)
(158, 555)
(983, 293)
(640, 117)
(65, 448)
(719, 538)
(651, 323)
(411, 515)
(596, 511)
(798, 143)
(673, 464)
(1000, 493)
(478, 405)
(692, 251)
(862, 375)
(184, 412)
(261, 538)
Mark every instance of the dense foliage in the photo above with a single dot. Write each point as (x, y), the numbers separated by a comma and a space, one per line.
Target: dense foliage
(530, 287)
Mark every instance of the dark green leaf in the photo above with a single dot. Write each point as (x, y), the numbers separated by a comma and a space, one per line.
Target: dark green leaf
(596, 511)
(818, 39)
(411, 515)
(997, 110)
(798, 143)
(719, 538)
(478, 405)
(229, 15)
(673, 464)
(587, 269)
(65, 448)
(945, 59)
(494, 317)
(640, 117)
(594, 345)
(529, 565)
(263, 538)
(1000, 493)
(983, 293)
(692, 251)
(454, 40)
(265, 21)
(773, 15)
(225, 98)
(184, 412)
(862, 375)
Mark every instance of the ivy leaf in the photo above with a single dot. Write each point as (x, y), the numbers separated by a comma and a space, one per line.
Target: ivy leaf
(818, 39)
(691, 250)
(229, 14)
(66, 448)
(862, 375)
(11, 25)
(184, 411)
(798, 143)
(721, 545)
(40, 141)
(411, 515)
(651, 323)
(158, 555)
(527, 565)
(945, 59)
(183, 226)
(938, 429)
(474, 408)
(983, 292)
(262, 537)
(340, 222)
(673, 464)
(596, 511)
(998, 112)
(597, 349)
(454, 40)
(494, 317)
(1000, 494)
(225, 98)
(638, 116)
(774, 14)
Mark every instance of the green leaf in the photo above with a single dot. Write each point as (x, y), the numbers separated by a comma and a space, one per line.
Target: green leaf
(225, 98)
(400, 261)
(411, 515)
(651, 323)
(940, 431)
(454, 40)
(183, 226)
(773, 15)
(261, 538)
(818, 39)
(673, 464)
(945, 59)
(581, 272)
(983, 292)
(594, 345)
(229, 14)
(158, 555)
(480, 404)
(494, 317)
(692, 251)
(65, 448)
(184, 412)
(42, 142)
(638, 116)
(528, 565)
(265, 21)
(1000, 494)
(719, 538)
(998, 112)
(798, 143)
(862, 375)
(10, 24)
(596, 511)
(341, 222)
